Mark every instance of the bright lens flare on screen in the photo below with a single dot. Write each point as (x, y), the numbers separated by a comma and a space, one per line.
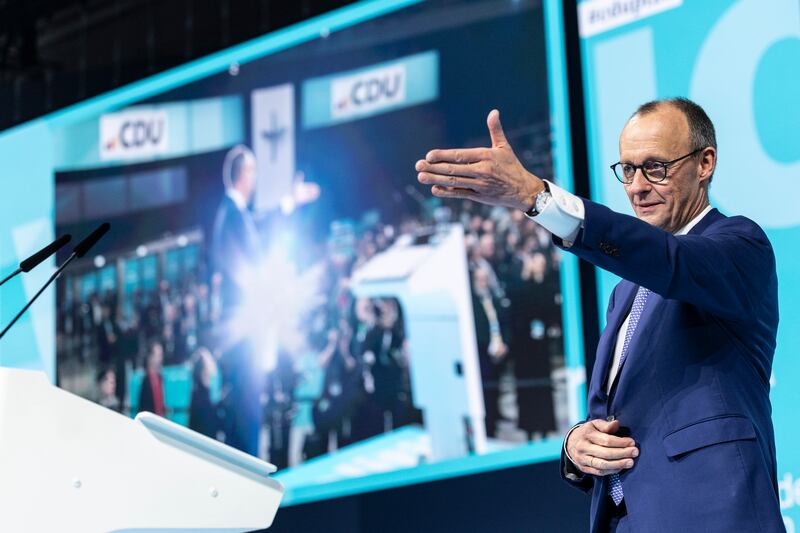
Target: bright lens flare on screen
(276, 299)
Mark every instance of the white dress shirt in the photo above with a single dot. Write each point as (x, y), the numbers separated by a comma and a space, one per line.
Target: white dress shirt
(563, 215)
(237, 197)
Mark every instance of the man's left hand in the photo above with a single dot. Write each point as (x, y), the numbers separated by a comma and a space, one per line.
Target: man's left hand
(491, 176)
(304, 192)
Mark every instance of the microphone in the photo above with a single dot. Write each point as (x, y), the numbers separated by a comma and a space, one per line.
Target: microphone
(33, 261)
(81, 249)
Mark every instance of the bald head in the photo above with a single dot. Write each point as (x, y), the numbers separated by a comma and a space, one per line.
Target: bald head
(664, 130)
(238, 170)
(699, 126)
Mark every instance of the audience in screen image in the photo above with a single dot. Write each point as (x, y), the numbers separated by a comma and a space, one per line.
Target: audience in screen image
(349, 379)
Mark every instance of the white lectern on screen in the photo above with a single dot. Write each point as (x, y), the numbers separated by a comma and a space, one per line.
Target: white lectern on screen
(71, 466)
(428, 275)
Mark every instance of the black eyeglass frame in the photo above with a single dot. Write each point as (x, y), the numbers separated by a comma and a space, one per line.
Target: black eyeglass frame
(666, 165)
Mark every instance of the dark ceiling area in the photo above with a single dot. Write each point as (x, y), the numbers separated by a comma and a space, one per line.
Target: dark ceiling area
(54, 53)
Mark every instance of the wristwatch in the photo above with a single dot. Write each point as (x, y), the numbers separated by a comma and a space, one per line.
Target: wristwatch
(541, 201)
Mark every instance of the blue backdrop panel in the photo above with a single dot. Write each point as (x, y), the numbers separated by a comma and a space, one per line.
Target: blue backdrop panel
(739, 60)
(26, 210)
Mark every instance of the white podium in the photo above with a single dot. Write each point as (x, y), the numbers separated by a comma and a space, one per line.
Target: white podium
(428, 274)
(71, 466)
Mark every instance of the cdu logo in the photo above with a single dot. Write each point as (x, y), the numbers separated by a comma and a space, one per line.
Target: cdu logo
(368, 91)
(133, 134)
(372, 90)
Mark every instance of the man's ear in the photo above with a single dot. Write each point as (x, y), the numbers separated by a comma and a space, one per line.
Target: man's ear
(707, 163)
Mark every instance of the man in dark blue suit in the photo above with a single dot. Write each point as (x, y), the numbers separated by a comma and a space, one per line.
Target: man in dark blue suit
(236, 249)
(236, 242)
(679, 434)
(237, 246)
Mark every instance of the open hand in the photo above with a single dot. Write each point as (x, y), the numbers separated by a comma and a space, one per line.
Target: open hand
(491, 176)
(304, 192)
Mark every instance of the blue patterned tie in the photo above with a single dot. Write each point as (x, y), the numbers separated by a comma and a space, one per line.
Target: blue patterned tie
(614, 483)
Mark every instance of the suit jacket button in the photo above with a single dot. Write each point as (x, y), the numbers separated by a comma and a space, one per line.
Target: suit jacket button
(610, 418)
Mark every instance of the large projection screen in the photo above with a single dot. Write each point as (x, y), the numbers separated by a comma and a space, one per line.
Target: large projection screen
(336, 111)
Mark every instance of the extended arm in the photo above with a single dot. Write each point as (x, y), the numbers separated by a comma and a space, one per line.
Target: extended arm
(722, 271)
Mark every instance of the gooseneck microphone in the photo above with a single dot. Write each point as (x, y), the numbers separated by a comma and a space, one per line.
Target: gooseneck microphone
(81, 249)
(34, 260)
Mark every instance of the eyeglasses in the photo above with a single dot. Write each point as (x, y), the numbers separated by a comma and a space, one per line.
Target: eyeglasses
(653, 171)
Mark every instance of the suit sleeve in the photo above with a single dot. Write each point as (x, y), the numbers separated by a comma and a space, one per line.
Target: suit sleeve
(721, 271)
(232, 252)
(570, 472)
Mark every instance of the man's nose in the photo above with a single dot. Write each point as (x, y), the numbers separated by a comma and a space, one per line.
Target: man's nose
(639, 185)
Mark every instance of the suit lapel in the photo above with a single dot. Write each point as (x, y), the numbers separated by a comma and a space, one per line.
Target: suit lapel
(625, 293)
(635, 348)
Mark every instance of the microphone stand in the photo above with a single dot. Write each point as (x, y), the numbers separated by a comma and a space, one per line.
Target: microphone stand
(17, 271)
(33, 261)
(49, 281)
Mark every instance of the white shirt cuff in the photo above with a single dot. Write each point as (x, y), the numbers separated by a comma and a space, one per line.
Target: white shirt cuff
(563, 215)
(572, 473)
(566, 438)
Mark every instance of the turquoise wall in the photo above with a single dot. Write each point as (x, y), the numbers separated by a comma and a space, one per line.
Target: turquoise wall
(26, 224)
(740, 60)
